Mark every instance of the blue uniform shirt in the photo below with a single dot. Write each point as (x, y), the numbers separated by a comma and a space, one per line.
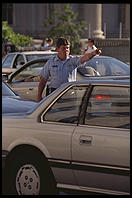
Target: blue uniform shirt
(60, 71)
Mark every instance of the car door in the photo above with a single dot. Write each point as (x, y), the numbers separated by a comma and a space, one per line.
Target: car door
(59, 121)
(101, 142)
(25, 81)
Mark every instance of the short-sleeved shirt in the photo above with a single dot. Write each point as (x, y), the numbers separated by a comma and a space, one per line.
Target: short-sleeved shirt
(60, 71)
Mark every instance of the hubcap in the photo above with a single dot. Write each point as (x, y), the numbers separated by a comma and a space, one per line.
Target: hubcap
(28, 180)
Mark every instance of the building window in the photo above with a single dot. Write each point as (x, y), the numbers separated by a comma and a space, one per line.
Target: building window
(7, 13)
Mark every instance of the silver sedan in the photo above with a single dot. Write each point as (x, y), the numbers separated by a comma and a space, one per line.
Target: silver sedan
(12, 61)
(26, 79)
(76, 138)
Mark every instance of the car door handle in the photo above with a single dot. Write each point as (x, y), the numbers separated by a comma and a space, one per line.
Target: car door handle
(85, 140)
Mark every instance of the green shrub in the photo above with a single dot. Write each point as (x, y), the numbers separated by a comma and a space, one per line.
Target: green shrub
(17, 39)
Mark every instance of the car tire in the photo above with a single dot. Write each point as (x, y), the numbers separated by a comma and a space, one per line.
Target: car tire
(28, 174)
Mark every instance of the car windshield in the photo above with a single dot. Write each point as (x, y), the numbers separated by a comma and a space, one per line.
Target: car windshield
(105, 67)
(6, 63)
(30, 57)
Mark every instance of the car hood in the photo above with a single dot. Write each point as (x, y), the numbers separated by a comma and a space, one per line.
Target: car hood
(16, 105)
(8, 70)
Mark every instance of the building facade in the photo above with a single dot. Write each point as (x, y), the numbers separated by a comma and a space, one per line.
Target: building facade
(103, 20)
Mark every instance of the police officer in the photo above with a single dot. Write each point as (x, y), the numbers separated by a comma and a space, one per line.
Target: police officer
(61, 67)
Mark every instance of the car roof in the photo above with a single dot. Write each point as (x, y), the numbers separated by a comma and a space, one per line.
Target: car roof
(103, 57)
(35, 52)
(114, 81)
(40, 52)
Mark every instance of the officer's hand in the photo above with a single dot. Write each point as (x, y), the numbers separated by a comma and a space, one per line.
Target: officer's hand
(98, 51)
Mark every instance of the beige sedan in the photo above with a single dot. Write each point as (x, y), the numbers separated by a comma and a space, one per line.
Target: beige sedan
(26, 79)
(77, 138)
(12, 61)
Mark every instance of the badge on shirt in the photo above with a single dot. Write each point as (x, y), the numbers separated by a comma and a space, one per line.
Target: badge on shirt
(54, 65)
(70, 64)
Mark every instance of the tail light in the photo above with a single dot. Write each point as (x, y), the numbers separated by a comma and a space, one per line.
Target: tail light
(100, 97)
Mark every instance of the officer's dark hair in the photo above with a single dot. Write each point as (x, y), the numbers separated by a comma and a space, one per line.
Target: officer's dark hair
(62, 41)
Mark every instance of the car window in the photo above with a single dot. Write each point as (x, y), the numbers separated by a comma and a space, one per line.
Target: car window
(8, 61)
(30, 73)
(66, 108)
(19, 60)
(109, 107)
(30, 57)
(119, 68)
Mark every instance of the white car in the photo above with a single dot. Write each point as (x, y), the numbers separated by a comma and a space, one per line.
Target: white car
(15, 60)
(76, 138)
(26, 79)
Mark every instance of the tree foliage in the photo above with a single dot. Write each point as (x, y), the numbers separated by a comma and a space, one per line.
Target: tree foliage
(65, 23)
(17, 39)
(7, 32)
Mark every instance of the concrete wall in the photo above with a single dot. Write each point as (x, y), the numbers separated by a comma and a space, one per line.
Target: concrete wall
(28, 18)
(118, 48)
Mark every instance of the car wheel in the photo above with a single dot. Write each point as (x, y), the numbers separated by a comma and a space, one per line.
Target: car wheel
(28, 174)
